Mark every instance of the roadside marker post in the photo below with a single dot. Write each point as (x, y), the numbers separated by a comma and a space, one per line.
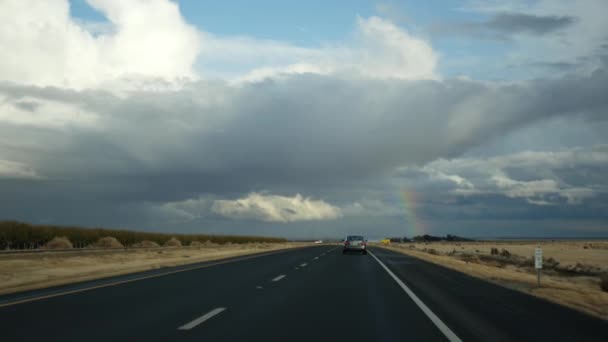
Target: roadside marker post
(538, 263)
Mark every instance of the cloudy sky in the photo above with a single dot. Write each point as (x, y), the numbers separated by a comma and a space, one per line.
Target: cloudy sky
(306, 118)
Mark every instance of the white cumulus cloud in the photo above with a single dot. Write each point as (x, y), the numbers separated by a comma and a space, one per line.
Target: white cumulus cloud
(147, 44)
(539, 177)
(380, 50)
(275, 208)
(41, 44)
(254, 206)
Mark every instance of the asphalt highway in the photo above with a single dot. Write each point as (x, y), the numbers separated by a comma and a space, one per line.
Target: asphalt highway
(307, 294)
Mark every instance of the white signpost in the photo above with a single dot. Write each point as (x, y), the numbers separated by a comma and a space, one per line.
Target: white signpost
(538, 262)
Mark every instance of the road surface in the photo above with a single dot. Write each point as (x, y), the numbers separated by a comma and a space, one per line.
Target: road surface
(307, 294)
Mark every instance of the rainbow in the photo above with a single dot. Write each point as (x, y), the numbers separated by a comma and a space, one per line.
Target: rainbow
(414, 225)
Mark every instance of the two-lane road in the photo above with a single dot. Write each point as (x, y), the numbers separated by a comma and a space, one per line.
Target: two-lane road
(308, 294)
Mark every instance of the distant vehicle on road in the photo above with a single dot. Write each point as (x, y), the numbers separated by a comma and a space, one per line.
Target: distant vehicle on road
(355, 243)
(319, 241)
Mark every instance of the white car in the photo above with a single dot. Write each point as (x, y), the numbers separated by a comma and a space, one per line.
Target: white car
(319, 241)
(355, 243)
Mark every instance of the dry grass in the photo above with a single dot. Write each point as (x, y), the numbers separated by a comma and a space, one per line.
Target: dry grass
(22, 272)
(581, 292)
(59, 243)
(568, 253)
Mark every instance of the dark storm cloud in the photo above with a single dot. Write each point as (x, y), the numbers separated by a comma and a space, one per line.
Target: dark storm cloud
(316, 135)
(302, 128)
(502, 25)
(552, 66)
(526, 23)
(27, 105)
(495, 207)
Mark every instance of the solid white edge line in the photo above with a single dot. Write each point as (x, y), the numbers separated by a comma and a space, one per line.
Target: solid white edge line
(277, 278)
(201, 319)
(303, 265)
(430, 314)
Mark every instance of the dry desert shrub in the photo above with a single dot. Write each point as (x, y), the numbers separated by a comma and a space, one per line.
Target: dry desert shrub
(550, 263)
(172, 242)
(59, 243)
(196, 244)
(108, 242)
(466, 257)
(580, 269)
(604, 282)
(146, 244)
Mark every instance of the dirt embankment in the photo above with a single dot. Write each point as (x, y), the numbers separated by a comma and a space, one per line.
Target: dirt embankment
(572, 271)
(32, 271)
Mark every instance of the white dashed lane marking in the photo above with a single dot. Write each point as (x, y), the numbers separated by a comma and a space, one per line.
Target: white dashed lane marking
(278, 277)
(201, 319)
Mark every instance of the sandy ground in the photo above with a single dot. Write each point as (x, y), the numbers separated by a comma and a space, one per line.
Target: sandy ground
(579, 292)
(566, 252)
(33, 271)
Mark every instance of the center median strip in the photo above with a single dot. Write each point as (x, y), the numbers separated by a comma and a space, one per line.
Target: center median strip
(447, 332)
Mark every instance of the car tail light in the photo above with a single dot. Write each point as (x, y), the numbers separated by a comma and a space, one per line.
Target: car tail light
(346, 243)
(363, 243)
